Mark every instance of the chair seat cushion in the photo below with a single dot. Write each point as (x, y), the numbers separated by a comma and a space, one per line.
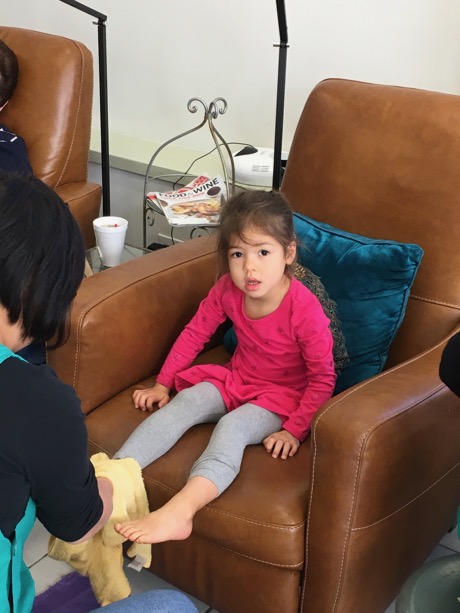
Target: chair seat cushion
(370, 280)
(261, 515)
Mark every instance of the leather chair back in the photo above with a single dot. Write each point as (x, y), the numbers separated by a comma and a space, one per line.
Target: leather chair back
(382, 161)
(51, 109)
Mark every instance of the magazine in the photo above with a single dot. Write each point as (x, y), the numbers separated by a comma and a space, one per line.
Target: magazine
(196, 204)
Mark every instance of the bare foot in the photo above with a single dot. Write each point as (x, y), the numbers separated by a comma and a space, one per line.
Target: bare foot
(170, 523)
(174, 521)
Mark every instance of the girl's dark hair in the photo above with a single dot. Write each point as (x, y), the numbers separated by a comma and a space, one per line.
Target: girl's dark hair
(8, 72)
(269, 212)
(42, 257)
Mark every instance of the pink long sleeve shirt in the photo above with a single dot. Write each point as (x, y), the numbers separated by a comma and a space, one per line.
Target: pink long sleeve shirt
(283, 362)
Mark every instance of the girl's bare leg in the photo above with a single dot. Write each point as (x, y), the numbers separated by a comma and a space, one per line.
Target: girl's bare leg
(174, 520)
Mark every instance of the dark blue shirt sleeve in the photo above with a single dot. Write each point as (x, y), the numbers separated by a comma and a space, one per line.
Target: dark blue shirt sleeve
(13, 152)
(44, 454)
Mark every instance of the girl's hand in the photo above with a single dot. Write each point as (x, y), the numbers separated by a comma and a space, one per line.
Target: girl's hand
(145, 399)
(282, 442)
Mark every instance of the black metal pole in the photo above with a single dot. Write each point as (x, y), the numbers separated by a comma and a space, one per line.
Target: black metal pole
(282, 60)
(103, 99)
(85, 9)
(104, 109)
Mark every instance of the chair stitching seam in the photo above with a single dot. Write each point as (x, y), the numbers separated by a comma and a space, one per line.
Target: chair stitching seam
(77, 350)
(409, 502)
(236, 517)
(433, 301)
(76, 117)
(294, 528)
(275, 564)
(352, 506)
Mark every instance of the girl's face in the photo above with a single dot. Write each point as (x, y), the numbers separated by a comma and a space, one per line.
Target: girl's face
(257, 264)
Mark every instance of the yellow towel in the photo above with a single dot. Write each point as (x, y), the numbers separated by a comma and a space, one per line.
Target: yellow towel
(101, 556)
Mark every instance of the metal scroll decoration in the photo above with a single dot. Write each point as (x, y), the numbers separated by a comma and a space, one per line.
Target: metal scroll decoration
(216, 107)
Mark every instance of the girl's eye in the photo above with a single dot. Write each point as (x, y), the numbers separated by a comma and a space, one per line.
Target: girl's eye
(264, 252)
(236, 254)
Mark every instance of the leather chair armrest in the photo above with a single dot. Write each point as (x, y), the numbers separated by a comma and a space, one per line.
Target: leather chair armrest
(84, 200)
(384, 453)
(125, 319)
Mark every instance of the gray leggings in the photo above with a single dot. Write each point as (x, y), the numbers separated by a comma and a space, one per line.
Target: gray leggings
(220, 462)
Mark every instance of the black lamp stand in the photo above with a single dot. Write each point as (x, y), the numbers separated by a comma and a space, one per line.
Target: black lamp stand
(283, 47)
(102, 48)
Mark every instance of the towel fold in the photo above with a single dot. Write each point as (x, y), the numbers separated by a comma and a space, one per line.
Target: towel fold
(101, 557)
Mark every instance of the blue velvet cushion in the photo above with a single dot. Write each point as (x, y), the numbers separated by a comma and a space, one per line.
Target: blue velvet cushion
(369, 279)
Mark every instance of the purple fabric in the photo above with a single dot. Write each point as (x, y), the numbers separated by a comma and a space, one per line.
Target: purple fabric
(72, 594)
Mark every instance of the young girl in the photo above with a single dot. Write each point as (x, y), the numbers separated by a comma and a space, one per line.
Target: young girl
(280, 374)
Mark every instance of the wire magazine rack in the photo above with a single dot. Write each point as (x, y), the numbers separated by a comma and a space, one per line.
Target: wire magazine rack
(211, 112)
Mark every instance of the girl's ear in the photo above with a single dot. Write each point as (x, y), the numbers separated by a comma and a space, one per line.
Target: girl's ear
(291, 252)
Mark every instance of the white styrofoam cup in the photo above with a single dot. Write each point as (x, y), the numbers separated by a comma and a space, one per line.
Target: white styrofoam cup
(110, 232)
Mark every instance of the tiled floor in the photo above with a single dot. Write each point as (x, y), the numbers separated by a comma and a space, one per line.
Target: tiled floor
(46, 571)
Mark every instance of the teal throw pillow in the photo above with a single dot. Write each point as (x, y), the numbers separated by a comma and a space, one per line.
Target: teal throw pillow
(370, 280)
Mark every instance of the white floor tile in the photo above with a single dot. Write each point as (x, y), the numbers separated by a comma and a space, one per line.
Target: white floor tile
(47, 572)
(36, 545)
(391, 608)
(438, 552)
(451, 540)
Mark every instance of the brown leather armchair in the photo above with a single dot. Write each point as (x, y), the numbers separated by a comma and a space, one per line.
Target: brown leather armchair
(51, 109)
(339, 527)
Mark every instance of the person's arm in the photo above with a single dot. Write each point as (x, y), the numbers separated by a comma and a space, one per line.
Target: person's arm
(449, 368)
(315, 339)
(105, 488)
(188, 345)
(195, 335)
(71, 503)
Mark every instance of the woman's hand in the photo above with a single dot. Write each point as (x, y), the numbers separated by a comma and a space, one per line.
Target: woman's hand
(145, 399)
(282, 442)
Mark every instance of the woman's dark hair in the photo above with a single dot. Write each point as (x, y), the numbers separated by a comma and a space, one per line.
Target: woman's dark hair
(42, 257)
(8, 72)
(268, 212)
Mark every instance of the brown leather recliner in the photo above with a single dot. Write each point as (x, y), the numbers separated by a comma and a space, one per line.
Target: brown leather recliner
(51, 109)
(340, 526)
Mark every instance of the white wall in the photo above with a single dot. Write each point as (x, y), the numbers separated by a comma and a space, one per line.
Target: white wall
(162, 53)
